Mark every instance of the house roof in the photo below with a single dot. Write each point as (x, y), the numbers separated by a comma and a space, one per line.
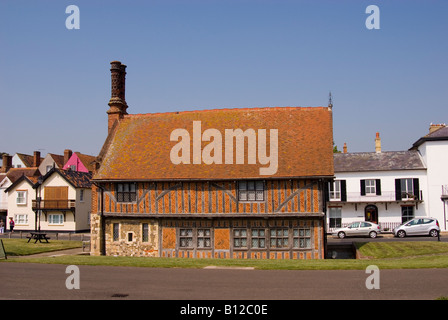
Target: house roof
(383, 161)
(75, 178)
(138, 148)
(27, 159)
(16, 179)
(15, 173)
(87, 161)
(437, 135)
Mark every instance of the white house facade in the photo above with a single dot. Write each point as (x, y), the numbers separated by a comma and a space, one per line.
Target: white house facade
(60, 201)
(387, 188)
(391, 187)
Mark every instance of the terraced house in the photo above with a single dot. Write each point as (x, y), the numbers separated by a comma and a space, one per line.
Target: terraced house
(192, 184)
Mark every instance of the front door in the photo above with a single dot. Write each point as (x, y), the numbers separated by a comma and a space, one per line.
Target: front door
(371, 214)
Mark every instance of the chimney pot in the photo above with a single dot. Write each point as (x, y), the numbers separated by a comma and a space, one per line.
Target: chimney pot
(435, 127)
(345, 147)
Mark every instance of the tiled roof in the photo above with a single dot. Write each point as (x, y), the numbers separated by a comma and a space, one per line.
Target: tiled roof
(139, 147)
(372, 161)
(15, 173)
(87, 161)
(76, 178)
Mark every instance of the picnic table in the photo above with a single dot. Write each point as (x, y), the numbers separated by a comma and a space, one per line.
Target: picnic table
(38, 236)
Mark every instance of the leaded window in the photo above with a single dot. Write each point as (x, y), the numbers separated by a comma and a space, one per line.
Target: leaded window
(126, 192)
(186, 238)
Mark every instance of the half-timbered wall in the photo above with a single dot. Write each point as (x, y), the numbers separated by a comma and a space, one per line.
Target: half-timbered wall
(280, 196)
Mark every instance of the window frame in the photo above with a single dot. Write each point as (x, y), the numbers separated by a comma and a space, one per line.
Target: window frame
(120, 195)
(333, 192)
(254, 189)
(51, 218)
(302, 237)
(24, 198)
(370, 187)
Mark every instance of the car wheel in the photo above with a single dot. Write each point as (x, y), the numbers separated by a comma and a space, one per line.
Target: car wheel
(341, 235)
(433, 233)
(372, 234)
(401, 234)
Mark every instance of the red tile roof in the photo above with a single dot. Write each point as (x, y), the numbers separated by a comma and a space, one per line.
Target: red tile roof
(139, 146)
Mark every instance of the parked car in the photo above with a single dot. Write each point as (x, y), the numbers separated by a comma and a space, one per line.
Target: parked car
(418, 227)
(363, 228)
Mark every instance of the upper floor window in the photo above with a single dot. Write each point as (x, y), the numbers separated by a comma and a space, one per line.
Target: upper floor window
(126, 192)
(251, 191)
(371, 187)
(335, 190)
(407, 189)
(21, 197)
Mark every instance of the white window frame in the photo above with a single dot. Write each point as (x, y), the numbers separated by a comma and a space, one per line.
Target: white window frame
(407, 188)
(21, 219)
(335, 190)
(370, 187)
(59, 221)
(21, 200)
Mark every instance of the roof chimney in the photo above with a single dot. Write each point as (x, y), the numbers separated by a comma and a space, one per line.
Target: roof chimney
(117, 100)
(435, 127)
(67, 155)
(7, 163)
(345, 147)
(378, 143)
(36, 159)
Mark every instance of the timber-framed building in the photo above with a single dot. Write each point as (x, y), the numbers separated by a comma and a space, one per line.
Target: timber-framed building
(146, 204)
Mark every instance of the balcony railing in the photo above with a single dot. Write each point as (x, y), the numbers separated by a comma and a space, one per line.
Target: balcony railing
(54, 204)
(386, 196)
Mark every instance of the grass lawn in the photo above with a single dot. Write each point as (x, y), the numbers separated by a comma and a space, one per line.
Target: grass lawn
(20, 247)
(385, 255)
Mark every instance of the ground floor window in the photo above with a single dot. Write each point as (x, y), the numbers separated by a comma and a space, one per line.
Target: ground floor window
(302, 238)
(258, 238)
(407, 213)
(204, 240)
(116, 232)
(186, 238)
(145, 232)
(335, 216)
(279, 238)
(240, 238)
(56, 219)
(21, 218)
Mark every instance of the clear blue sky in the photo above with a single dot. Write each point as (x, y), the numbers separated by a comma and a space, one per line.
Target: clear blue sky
(203, 54)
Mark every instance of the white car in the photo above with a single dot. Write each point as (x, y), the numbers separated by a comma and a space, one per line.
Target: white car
(362, 228)
(418, 227)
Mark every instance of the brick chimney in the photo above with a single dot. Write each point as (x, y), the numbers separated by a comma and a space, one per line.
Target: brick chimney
(36, 159)
(7, 163)
(435, 127)
(117, 100)
(67, 154)
(378, 143)
(345, 147)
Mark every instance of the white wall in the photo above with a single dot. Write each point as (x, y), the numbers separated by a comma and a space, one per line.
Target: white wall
(435, 156)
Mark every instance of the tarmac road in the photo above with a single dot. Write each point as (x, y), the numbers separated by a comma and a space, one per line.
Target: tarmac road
(46, 281)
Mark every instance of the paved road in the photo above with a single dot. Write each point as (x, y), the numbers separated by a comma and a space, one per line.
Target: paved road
(45, 281)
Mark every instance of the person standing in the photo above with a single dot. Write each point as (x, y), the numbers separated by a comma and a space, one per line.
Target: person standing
(2, 226)
(11, 224)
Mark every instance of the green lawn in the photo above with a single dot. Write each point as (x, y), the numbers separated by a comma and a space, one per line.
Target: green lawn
(385, 255)
(20, 247)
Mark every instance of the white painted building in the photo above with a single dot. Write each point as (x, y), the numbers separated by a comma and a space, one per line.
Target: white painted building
(391, 187)
(62, 197)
